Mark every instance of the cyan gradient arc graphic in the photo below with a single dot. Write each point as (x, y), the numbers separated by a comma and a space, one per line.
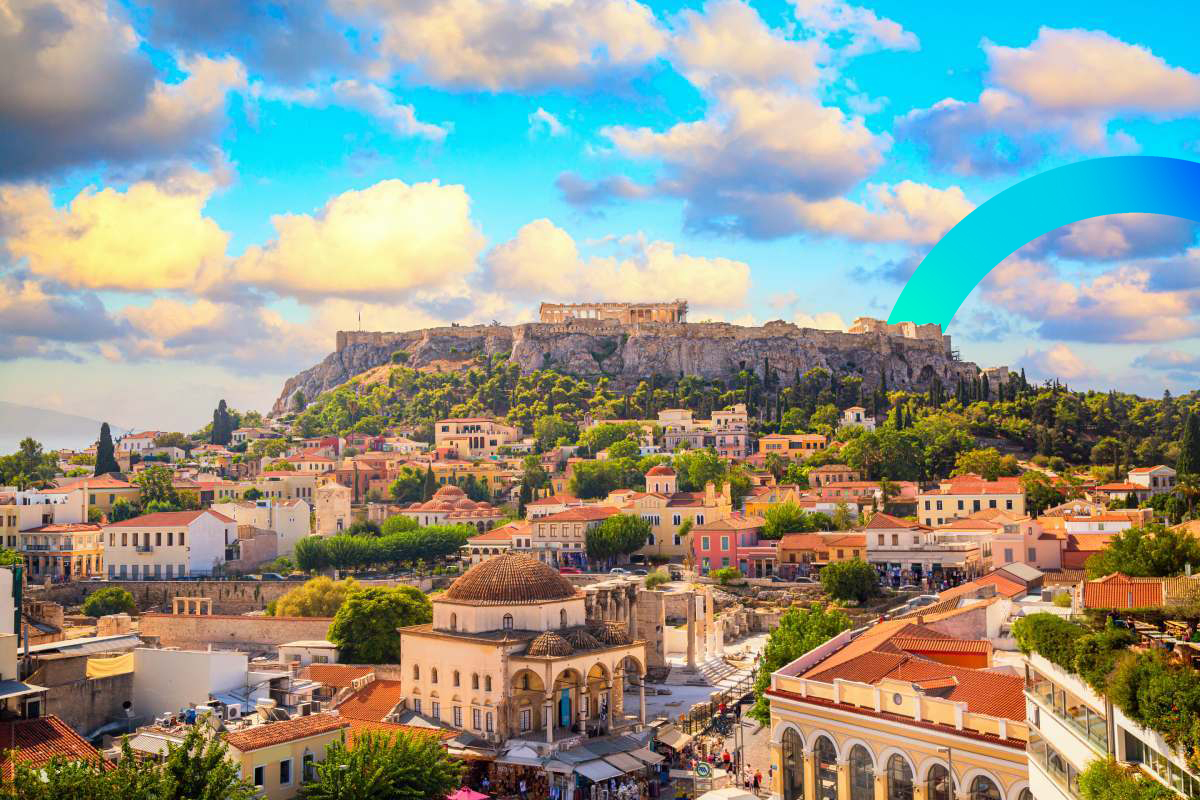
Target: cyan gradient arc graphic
(1036, 206)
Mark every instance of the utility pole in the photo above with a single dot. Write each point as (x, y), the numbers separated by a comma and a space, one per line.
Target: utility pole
(949, 751)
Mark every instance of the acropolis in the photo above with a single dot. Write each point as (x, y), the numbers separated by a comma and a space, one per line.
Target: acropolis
(625, 313)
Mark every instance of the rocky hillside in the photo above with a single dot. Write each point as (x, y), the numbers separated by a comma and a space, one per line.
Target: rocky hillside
(628, 354)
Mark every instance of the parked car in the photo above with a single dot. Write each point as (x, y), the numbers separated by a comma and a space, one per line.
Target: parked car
(570, 570)
(618, 571)
(271, 576)
(640, 572)
(297, 576)
(805, 580)
(779, 579)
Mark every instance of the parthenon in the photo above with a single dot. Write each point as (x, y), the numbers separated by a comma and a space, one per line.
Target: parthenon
(625, 313)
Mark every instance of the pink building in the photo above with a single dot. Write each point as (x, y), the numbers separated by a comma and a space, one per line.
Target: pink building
(733, 542)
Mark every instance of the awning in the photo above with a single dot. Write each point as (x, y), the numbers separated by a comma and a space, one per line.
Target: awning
(12, 688)
(520, 756)
(554, 765)
(649, 756)
(674, 738)
(598, 770)
(625, 762)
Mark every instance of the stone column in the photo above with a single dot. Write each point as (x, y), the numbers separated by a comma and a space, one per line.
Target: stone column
(691, 631)
(642, 698)
(549, 708)
(843, 779)
(880, 784)
(585, 708)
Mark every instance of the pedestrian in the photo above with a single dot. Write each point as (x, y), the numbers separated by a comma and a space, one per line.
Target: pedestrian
(757, 779)
(726, 758)
(485, 784)
(523, 790)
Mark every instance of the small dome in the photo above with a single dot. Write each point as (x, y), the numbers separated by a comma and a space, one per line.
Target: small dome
(611, 634)
(449, 492)
(582, 640)
(464, 504)
(661, 469)
(511, 578)
(549, 644)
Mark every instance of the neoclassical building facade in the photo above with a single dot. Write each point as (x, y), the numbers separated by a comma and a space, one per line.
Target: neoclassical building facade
(510, 654)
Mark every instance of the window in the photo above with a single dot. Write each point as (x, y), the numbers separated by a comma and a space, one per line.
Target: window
(260, 776)
(939, 505)
(416, 704)
(524, 720)
(181, 538)
(793, 765)
(827, 772)
(927, 505)
(991, 503)
(1008, 555)
(458, 716)
(490, 727)
(170, 538)
(899, 779)
(895, 540)
(507, 622)
(724, 544)
(416, 672)
(562, 618)
(650, 539)
(1032, 555)
(487, 683)
(678, 540)
(433, 674)
(320, 659)
(704, 542)
(699, 519)
(1008, 504)
(285, 772)
(841, 554)
(308, 768)
(474, 680)
(435, 708)
(862, 778)
(881, 538)
(158, 538)
(476, 719)
(456, 678)
(454, 622)
(975, 505)
(112, 540)
(983, 788)
(676, 520)
(937, 783)
(124, 539)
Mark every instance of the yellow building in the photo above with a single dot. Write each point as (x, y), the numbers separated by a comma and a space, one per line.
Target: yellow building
(761, 498)
(488, 473)
(278, 758)
(890, 711)
(10, 525)
(473, 437)
(63, 551)
(666, 508)
(102, 491)
(797, 445)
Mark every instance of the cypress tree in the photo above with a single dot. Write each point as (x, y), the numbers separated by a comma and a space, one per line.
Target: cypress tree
(430, 485)
(1189, 447)
(106, 460)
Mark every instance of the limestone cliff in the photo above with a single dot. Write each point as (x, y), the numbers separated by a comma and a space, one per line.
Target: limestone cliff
(628, 353)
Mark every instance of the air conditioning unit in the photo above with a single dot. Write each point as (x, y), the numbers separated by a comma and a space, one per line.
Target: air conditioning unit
(1047, 595)
(233, 712)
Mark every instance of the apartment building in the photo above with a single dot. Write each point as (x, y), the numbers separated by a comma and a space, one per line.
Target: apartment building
(473, 437)
(290, 519)
(62, 551)
(168, 544)
(560, 540)
(796, 445)
(666, 509)
(728, 432)
(906, 552)
(963, 495)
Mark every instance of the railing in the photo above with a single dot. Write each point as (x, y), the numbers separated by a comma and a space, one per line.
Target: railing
(703, 717)
(145, 548)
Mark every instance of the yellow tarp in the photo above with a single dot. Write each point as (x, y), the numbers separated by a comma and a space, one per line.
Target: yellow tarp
(106, 667)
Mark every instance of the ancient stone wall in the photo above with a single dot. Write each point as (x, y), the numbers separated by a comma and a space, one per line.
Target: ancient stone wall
(626, 353)
(251, 634)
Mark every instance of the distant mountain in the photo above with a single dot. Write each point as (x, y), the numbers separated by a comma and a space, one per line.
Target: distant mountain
(53, 429)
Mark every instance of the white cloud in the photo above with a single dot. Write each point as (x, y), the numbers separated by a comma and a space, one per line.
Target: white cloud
(153, 235)
(543, 260)
(728, 43)
(542, 121)
(1059, 361)
(502, 45)
(866, 30)
(1062, 92)
(1117, 236)
(822, 320)
(373, 99)
(87, 92)
(383, 241)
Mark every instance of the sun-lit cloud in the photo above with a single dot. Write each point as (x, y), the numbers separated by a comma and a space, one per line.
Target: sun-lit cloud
(544, 260)
(360, 95)
(152, 235)
(865, 30)
(79, 89)
(1058, 94)
(542, 121)
(1057, 361)
(383, 241)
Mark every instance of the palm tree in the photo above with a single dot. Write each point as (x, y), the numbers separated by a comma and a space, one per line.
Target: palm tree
(1188, 487)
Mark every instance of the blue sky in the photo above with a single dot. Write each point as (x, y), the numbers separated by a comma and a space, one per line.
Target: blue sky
(195, 197)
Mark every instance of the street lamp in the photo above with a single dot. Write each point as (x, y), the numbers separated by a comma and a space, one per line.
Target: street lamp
(950, 767)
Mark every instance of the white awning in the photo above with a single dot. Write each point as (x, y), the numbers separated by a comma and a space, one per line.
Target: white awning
(625, 762)
(673, 738)
(598, 770)
(649, 756)
(521, 756)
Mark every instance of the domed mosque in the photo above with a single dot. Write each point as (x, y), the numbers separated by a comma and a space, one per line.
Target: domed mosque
(510, 656)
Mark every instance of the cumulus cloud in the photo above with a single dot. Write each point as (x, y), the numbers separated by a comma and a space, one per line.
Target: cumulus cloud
(863, 29)
(1176, 362)
(502, 45)
(388, 239)
(289, 43)
(40, 322)
(1058, 361)
(1117, 236)
(545, 260)
(590, 195)
(1061, 92)
(542, 121)
(1119, 305)
(365, 96)
(87, 92)
(822, 320)
(153, 235)
(728, 43)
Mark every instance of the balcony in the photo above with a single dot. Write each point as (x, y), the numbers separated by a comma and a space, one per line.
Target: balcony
(145, 548)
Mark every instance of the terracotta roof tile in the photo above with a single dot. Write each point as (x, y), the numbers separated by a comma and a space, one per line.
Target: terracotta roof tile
(358, 727)
(37, 741)
(510, 578)
(1120, 592)
(339, 676)
(373, 702)
(163, 518)
(257, 737)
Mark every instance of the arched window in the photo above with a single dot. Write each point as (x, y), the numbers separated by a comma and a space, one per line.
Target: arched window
(562, 618)
(793, 765)
(474, 680)
(507, 623)
(937, 783)
(827, 778)
(983, 788)
(899, 779)
(1025, 795)
(433, 675)
(456, 678)
(416, 672)
(488, 726)
(454, 622)
(862, 774)
(487, 683)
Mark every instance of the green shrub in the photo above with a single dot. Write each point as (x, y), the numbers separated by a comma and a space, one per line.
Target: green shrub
(725, 575)
(657, 578)
(1096, 655)
(850, 580)
(1105, 779)
(111, 600)
(1050, 636)
(1062, 599)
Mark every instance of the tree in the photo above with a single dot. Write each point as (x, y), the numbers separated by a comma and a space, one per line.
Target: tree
(551, 428)
(364, 527)
(1153, 551)
(625, 448)
(799, 631)
(222, 425)
(174, 439)
(726, 575)
(656, 579)
(619, 535)
(398, 524)
(406, 765)
(408, 487)
(697, 468)
(106, 461)
(318, 597)
(252, 494)
(199, 768)
(787, 517)
(1105, 779)
(594, 479)
(110, 600)
(850, 580)
(298, 401)
(985, 462)
(156, 485)
(364, 628)
(600, 437)
(430, 485)
(1040, 492)
(1188, 462)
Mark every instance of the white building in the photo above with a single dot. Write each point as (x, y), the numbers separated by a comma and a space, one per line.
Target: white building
(1159, 480)
(332, 501)
(309, 651)
(856, 417)
(169, 681)
(473, 437)
(138, 442)
(291, 519)
(168, 544)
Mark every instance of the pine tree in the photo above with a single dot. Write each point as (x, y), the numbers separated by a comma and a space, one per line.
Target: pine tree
(430, 485)
(106, 461)
(1189, 447)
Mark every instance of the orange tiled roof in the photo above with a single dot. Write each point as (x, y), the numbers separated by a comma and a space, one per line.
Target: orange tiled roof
(163, 518)
(373, 702)
(883, 521)
(358, 727)
(37, 741)
(1003, 585)
(339, 676)
(1120, 592)
(921, 644)
(257, 737)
